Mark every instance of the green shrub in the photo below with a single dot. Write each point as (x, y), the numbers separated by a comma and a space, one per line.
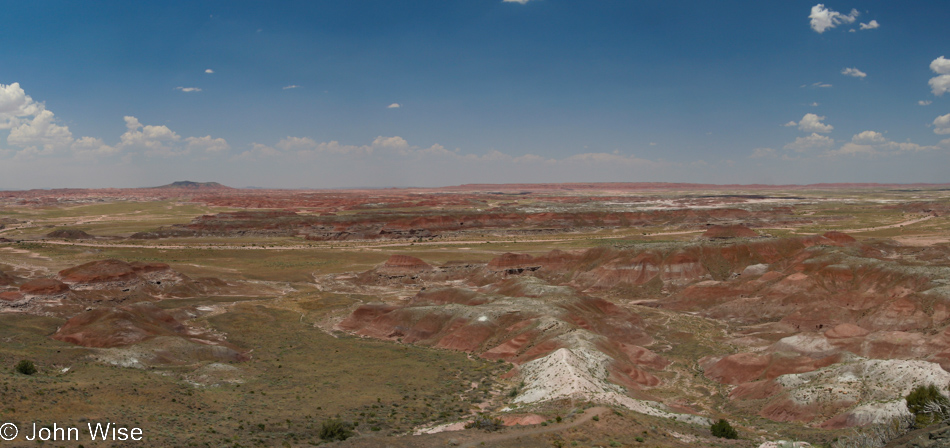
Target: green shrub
(918, 401)
(485, 422)
(26, 367)
(723, 430)
(334, 429)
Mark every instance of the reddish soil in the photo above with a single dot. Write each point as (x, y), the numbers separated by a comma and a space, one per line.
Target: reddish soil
(10, 296)
(44, 287)
(6, 279)
(120, 326)
(732, 231)
(108, 271)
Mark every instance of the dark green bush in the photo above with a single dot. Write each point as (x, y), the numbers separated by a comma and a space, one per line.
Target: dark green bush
(26, 367)
(919, 398)
(723, 430)
(334, 429)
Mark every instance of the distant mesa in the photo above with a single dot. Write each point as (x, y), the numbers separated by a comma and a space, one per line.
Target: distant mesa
(189, 185)
(70, 234)
(726, 232)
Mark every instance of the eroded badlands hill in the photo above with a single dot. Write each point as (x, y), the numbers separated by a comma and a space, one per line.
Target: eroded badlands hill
(801, 314)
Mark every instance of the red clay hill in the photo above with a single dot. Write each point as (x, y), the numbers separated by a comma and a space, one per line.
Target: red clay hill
(797, 305)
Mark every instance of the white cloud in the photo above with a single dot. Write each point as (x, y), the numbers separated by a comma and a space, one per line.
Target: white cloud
(208, 144)
(940, 66)
(853, 72)
(759, 153)
(790, 124)
(868, 138)
(16, 104)
(940, 84)
(35, 131)
(154, 140)
(942, 124)
(515, 1)
(41, 135)
(924, 102)
(259, 151)
(870, 25)
(814, 104)
(89, 146)
(813, 141)
(209, 71)
(812, 123)
(853, 149)
(395, 142)
(870, 143)
(292, 86)
(188, 89)
(394, 106)
(823, 18)
(818, 84)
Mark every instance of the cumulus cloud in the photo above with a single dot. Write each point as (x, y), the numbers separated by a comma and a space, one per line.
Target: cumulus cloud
(207, 144)
(154, 140)
(942, 124)
(35, 131)
(854, 72)
(209, 71)
(292, 86)
(868, 138)
(853, 149)
(41, 135)
(812, 123)
(940, 84)
(33, 128)
(811, 142)
(870, 25)
(259, 151)
(16, 104)
(89, 146)
(872, 143)
(924, 102)
(188, 89)
(394, 106)
(823, 18)
(515, 1)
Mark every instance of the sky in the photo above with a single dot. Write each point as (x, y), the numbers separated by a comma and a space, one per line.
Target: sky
(361, 93)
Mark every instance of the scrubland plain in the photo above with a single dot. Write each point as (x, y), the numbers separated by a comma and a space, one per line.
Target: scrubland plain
(577, 314)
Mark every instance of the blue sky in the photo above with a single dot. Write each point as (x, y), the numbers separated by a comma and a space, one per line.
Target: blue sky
(442, 92)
